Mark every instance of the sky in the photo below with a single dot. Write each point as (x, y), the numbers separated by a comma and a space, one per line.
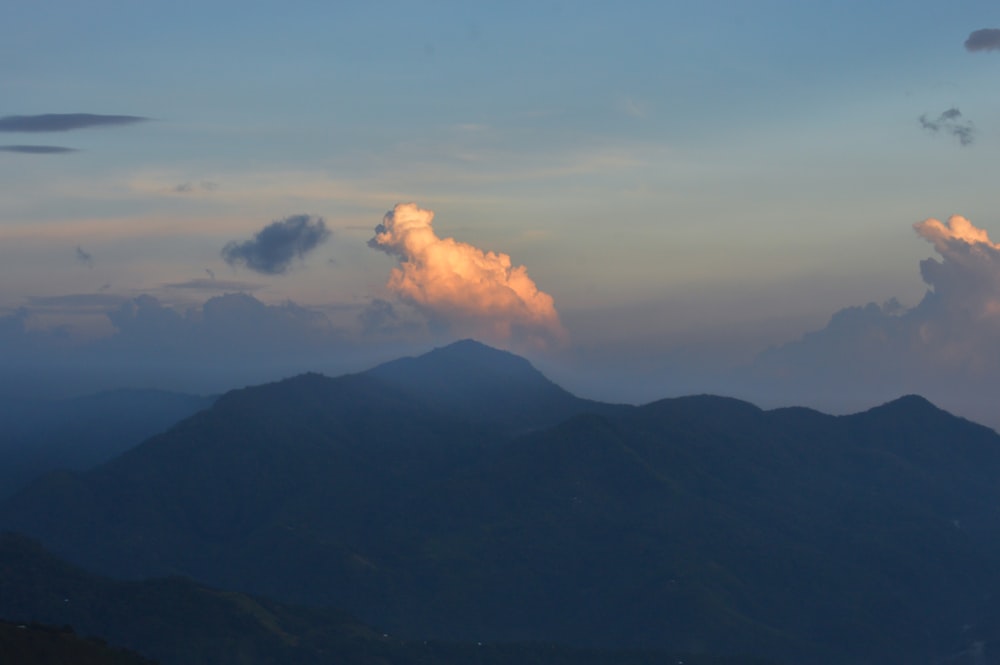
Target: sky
(646, 199)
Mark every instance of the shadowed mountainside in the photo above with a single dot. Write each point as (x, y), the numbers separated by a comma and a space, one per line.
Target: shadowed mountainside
(35, 644)
(79, 433)
(182, 623)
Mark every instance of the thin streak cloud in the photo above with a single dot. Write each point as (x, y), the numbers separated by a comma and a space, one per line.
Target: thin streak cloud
(63, 122)
(213, 284)
(38, 149)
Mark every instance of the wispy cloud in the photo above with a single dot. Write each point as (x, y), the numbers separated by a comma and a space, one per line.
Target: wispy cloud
(950, 122)
(63, 122)
(987, 39)
(275, 247)
(189, 187)
(37, 149)
(84, 257)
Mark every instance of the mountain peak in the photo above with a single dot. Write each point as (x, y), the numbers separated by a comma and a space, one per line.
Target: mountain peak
(907, 406)
(476, 356)
(483, 383)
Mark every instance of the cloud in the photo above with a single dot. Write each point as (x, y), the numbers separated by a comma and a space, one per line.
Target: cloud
(987, 39)
(463, 288)
(189, 187)
(273, 249)
(950, 122)
(380, 317)
(62, 122)
(945, 347)
(37, 149)
(82, 343)
(78, 301)
(226, 328)
(84, 257)
(213, 284)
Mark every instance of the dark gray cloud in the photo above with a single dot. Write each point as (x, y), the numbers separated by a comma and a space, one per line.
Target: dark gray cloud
(275, 247)
(37, 149)
(950, 122)
(63, 122)
(987, 39)
(213, 284)
(84, 257)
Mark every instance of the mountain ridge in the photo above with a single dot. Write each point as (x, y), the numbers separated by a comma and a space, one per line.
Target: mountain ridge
(689, 521)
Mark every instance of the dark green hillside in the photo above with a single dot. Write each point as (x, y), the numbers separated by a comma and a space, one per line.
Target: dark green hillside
(699, 524)
(182, 623)
(35, 644)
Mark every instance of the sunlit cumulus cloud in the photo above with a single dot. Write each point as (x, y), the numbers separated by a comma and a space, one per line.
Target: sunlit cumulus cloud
(275, 247)
(463, 288)
(945, 347)
(987, 39)
(965, 291)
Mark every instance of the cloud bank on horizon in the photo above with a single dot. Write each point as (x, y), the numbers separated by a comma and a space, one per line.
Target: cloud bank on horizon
(461, 287)
(944, 347)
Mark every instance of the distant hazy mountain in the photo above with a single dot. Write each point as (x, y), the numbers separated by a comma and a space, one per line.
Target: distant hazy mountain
(692, 524)
(182, 623)
(79, 433)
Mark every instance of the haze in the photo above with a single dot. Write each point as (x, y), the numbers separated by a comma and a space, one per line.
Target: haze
(787, 202)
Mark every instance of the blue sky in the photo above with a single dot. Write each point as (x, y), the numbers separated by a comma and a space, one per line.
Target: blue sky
(691, 183)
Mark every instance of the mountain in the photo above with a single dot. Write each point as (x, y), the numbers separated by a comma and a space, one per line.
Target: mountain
(486, 385)
(79, 433)
(179, 622)
(697, 524)
(34, 644)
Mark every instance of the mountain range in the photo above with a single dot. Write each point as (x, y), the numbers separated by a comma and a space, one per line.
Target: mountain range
(463, 496)
(78, 433)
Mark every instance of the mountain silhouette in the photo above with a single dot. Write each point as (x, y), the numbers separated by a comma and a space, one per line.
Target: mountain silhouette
(697, 524)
